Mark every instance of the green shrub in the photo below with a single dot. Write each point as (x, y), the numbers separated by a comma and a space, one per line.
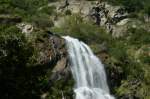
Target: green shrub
(29, 5)
(42, 21)
(75, 26)
(68, 12)
(138, 36)
(15, 52)
(50, 10)
(15, 49)
(146, 59)
(131, 5)
(120, 48)
(147, 10)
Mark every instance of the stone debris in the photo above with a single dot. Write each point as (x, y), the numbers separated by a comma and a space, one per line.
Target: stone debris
(25, 28)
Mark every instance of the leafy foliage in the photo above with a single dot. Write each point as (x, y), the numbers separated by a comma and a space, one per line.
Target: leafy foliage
(27, 5)
(131, 5)
(75, 26)
(14, 55)
(41, 21)
(133, 71)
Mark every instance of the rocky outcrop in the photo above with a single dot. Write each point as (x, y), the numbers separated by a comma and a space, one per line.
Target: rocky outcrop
(99, 13)
(51, 48)
(52, 52)
(25, 28)
(61, 69)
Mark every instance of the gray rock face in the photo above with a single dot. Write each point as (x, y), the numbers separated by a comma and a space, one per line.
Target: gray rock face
(57, 54)
(101, 13)
(60, 52)
(51, 48)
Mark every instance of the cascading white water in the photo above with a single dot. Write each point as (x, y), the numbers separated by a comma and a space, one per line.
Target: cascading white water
(87, 70)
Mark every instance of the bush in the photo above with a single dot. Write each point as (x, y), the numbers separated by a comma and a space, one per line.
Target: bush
(15, 52)
(75, 26)
(147, 10)
(138, 36)
(50, 10)
(68, 12)
(42, 21)
(28, 5)
(131, 5)
(120, 48)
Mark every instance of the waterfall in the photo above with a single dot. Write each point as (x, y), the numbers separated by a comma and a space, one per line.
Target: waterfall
(88, 71)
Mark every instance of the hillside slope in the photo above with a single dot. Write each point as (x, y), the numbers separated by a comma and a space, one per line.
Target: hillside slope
(33, 56)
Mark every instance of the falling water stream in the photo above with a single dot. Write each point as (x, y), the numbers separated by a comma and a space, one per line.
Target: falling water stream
(87, 70)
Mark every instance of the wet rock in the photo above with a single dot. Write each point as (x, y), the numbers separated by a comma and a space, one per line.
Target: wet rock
(61, 70)
(103, 56)
(54, 54)
(61, 65)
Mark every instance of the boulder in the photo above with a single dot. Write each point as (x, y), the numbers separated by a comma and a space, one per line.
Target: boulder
(25, 28)
(123, 22)
(61, 65)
